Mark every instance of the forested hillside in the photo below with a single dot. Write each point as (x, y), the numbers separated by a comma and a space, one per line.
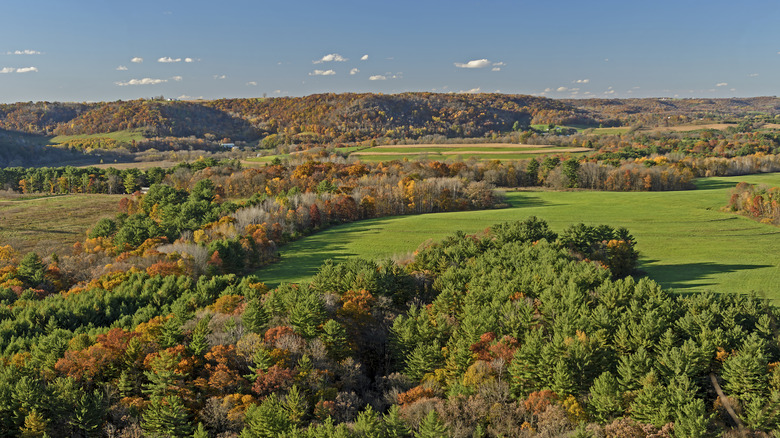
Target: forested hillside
(349, 117)
(517, 331)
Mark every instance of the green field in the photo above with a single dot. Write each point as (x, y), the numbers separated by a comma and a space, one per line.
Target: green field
(686, 242)
(52, 224)
(126, 136)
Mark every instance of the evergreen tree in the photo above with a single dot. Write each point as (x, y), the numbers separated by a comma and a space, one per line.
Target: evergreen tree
(269, 419)
(605, 398)
(295, 405)
(368, 424)
(200, 432)
(168, 417)
(422, 360)
(199, 344)
(394, 426)
(255, 316)
(31, 270)
(88, 416)
(432, 427)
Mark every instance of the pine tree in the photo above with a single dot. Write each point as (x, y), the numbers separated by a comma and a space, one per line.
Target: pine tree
(88, 414)
(296, 405)
(368, 424)
(394, 426)
(167, 416)
(562, 380)
(334, 337)
(605, 398)
(255, 316)
(269, 419)
(34, 425)
(170, 333)
(432, 427)
(199, 344)
(422, 360)
(651, 404)
(200, 432)
(125, 384)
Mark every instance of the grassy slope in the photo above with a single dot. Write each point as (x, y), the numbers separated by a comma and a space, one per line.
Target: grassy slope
(686, 242)
(52, 224)
(126, 136)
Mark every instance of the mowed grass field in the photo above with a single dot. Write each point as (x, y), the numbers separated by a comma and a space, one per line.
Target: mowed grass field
(52, 224)
(686, 241)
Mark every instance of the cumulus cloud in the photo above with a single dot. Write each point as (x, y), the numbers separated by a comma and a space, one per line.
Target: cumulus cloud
(24, 52)
(495, 69)
(561, 89)
(472, 91)
(753, 75)
(331, 58)
(137, 60)
(121, 68)
(364, 57)
(167, 59)
(721, 84)
(354, 71)
(252, 83)
(144, 81)
(189, 60)
(547, 90)
(18, 70)
(581, 81)
(177, 78)
(377, 78)
(476, 63)
(220, 77)
(322, 73)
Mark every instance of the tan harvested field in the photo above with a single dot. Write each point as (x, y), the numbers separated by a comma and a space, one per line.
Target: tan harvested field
(135, 165)
(771, 125)
(687, 128)
(54, 223)
(468, 152)
(465, 145)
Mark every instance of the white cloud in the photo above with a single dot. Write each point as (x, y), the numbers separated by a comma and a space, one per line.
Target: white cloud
(476, 63)
(498, 64)
(495, 69)
(144, 81)
(581, 81)
(472, 91)
(753, 75)
(121, 68)
(330, 58)
(610, 92)
(220, 77)
(26, 69)
(189, 60)
(185, 97)
(7, 70)
(137, 60)
(322, 73)
(364, 57)
(168, 59)
(547, 90)
(561, 89)
(377, 78)
(177, 78)
(354, 71)
(24, 52)
(721, 84)
(252, 83)
(277, 91)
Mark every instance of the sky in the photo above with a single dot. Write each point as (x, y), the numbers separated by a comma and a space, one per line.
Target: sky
(105, 50)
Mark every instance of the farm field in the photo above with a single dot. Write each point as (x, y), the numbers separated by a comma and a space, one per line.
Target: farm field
(126, 136)
(485, 151)
(53, 223)
(686, 242)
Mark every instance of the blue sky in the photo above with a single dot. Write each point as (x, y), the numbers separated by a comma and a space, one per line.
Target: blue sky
(100, 50)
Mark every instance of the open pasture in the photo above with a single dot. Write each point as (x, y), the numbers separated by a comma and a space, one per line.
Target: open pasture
(686, 241)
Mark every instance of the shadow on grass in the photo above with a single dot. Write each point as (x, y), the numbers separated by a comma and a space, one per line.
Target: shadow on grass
(688, 276)
(520, 199)
(301, 259)
(711, 184)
